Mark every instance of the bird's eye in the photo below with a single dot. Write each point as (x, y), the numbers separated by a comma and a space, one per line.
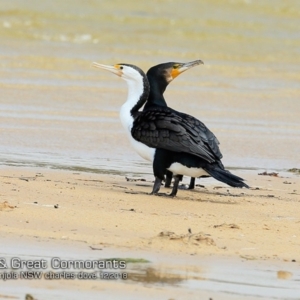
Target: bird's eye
(175, 66)
(121, 67)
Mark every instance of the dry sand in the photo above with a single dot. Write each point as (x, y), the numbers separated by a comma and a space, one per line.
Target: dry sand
(108, 212)
(261, 222)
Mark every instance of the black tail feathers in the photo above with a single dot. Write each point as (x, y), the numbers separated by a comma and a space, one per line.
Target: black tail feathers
(225, 176)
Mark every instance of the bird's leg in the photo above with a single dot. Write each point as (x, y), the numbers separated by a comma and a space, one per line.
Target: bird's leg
(175, 185)
(192, 183)
(156, 186)
(190, 187)
(169, 176)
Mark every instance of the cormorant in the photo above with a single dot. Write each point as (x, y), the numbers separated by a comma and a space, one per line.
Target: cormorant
(173, 140)
(159, 77)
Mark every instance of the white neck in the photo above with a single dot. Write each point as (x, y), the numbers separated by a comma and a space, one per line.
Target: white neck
(135, 90)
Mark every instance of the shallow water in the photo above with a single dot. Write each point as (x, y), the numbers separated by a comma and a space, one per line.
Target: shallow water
(193, 276)
(57, 111)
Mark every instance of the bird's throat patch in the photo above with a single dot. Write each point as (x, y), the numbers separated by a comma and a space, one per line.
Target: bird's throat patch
(175, 73)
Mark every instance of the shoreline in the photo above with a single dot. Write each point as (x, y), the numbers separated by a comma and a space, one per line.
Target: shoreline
(153, 274)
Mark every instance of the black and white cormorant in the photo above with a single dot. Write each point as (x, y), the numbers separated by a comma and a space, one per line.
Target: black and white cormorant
(159, 77)
(172, 140)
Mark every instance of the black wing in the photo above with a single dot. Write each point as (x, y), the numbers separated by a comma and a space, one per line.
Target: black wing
(168, 129)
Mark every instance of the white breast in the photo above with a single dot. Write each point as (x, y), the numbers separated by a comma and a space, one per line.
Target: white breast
(143, 150)
(179, 169)
(127, 122)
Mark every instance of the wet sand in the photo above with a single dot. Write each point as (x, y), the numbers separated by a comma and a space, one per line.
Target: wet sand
(255, 229)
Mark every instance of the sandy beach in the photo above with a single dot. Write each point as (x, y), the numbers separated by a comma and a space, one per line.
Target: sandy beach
(114, 215)
(260, 222)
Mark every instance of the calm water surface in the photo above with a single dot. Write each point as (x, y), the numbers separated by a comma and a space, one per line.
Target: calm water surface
(57, 111)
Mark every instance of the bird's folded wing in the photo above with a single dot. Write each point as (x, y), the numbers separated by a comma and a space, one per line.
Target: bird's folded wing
(164, 129)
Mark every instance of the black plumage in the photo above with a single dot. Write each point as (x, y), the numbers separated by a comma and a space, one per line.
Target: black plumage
(159, 77)
(177, 135)
(165, 128)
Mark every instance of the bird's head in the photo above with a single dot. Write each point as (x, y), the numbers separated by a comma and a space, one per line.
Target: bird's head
(125, 71)
(169, 71)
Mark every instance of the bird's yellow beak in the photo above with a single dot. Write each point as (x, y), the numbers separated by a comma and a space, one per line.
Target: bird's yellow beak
(116, 69)
(181, 67)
